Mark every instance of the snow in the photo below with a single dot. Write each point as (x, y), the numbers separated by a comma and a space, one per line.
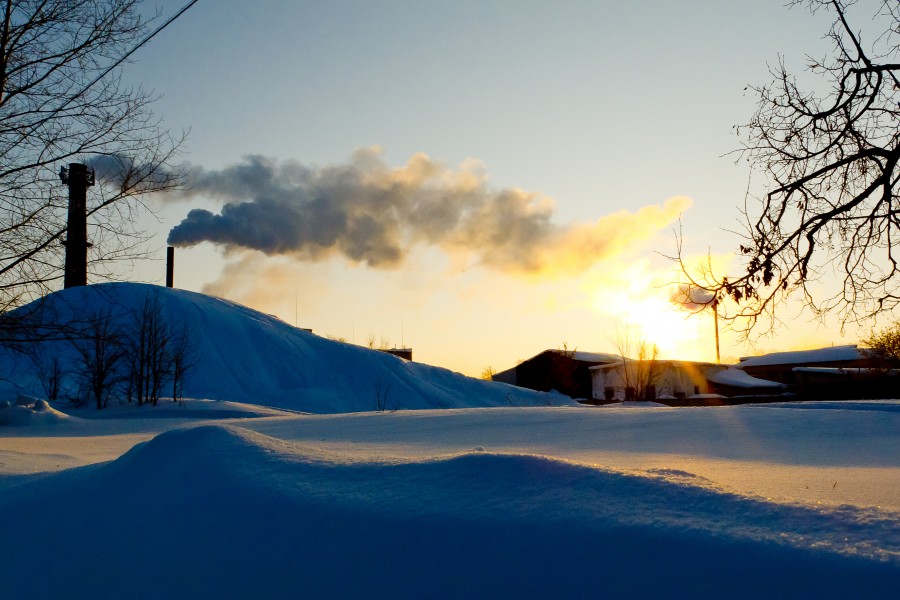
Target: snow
(749, 500)
(250, 357)
(212, 499)
(741, 379)
(596, 357)
(821, 355)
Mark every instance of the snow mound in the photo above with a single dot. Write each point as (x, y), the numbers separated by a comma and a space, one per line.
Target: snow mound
(229, 461)
(285, 519)
(247, 356)
(24, 414)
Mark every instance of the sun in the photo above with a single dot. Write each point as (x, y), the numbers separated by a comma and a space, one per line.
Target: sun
(638, 298)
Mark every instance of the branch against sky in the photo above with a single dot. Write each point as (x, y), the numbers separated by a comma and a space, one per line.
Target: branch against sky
(829, 154)
(58, 105)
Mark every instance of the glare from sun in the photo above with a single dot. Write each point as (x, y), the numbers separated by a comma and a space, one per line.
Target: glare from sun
(637, 297)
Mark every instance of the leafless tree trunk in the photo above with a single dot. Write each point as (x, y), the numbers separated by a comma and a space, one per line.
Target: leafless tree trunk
(184, 357)
(101, 351)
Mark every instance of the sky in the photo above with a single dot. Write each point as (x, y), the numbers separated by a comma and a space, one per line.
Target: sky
(511, 174)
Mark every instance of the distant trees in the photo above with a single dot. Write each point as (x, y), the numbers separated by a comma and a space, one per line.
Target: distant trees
(640, 369)
(50, 373)
(61, 101)
(885, 343)
(382, 393)
(101, 351)
(143, 356)
(158, 354)
(830, 152)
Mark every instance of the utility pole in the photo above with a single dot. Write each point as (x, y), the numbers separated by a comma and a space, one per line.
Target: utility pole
(79, 178)
(715, 307)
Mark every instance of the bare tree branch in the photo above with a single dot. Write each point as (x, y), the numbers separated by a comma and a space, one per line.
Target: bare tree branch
(830, 155)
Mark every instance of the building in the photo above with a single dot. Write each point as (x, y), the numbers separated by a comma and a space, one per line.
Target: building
(782, 366)
(564, 371)
(651, 380)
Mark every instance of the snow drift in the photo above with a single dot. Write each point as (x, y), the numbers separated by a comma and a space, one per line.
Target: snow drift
(215, 511)
(247, 356)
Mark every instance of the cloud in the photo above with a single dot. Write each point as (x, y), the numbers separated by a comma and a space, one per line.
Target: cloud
(372, 214)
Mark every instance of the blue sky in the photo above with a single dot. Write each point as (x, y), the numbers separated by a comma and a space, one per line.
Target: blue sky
(599, 106)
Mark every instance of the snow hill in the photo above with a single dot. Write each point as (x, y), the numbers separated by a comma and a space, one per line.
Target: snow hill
(247, 356)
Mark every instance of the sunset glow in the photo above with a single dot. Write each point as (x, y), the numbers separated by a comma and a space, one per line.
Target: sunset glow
(516, 206)
(638, 298)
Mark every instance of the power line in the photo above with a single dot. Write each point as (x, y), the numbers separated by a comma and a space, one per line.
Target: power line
(125, 56)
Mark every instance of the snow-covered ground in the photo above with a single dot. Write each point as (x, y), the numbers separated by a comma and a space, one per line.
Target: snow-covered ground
(234, 499)
(220, 500)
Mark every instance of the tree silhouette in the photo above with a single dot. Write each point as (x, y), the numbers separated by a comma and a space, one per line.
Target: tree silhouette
(62, 101)
(830, 155)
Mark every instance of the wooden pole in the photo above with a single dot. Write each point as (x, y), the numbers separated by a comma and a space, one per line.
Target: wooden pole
(716, 324)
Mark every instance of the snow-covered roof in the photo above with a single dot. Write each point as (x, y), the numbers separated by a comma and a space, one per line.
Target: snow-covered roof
(820, 355)
(740, 379)
(845, 371)
(659, 362)
(600, 357)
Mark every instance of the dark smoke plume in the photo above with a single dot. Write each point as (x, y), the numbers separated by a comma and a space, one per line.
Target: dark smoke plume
(375, 215)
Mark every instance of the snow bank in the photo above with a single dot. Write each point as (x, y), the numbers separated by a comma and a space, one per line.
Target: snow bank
(249, 515)
(29, 412)
(246, 356)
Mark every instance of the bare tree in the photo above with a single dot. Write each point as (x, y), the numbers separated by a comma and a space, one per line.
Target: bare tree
(830, 156)
(159, 353)
(50, 373)
(640, 369)
(61, 101)
(148, 352)
(100, 350)
(184, 358)
(382, 393)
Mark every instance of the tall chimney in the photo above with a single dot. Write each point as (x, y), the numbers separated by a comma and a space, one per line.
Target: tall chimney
(79, 178)
(170, 266)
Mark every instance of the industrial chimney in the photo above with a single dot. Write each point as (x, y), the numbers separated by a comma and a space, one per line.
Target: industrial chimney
(79, 178)
(170, 266)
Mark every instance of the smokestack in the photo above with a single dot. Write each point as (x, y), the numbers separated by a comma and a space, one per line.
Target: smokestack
(79, 178)
(170, 266)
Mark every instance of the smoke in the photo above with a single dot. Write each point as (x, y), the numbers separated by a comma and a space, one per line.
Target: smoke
(691, 297)
(374, 215)
(131, 176)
